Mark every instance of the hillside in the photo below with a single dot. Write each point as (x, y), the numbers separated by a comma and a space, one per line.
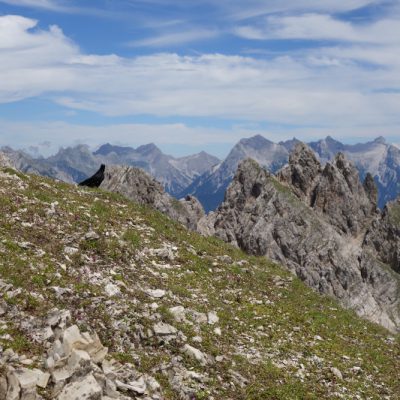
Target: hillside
(182, 316)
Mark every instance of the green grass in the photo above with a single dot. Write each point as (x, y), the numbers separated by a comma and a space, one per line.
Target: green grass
(256, 316)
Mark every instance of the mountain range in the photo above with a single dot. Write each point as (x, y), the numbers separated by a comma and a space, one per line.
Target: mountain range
(377, 157)
(205, 176)
(74, 164)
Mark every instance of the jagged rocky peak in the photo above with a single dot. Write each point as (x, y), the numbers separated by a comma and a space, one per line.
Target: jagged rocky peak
(321, 244)
(380, 140)
(342, 197)
(334, 190)
(302, 171)
(148, 149)
(108, 148)
(255, 142)
(247, 175)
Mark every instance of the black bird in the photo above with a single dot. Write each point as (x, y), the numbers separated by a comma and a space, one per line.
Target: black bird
(95, 180)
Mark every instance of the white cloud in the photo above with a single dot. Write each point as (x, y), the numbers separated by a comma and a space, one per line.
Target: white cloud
(324, 87)
(240, 10)
(47, 4)
(323, 27)
(175, 38)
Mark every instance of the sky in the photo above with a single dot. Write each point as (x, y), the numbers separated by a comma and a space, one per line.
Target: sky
(193, 75)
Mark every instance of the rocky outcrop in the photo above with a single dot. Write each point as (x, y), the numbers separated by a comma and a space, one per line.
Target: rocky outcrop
(210, 187)
(75, 366)
(380, 159)
(4, 160)
(335, 190)
(302, 172)
(141, 188)
(311, 220)
(383, 236)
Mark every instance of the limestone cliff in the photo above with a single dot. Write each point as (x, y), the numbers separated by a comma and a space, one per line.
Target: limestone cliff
(383, 237)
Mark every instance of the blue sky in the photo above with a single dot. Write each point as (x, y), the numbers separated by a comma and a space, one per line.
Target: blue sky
(191, 75)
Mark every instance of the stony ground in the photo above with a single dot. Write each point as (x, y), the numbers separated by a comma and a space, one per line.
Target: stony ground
(102, 298)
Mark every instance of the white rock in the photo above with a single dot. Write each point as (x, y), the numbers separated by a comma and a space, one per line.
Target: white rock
(13, 387)
(60, 375)
(47, 333)
(218, 331)
(198, 318)
(112, 290)
(77, 359)
(178, 313)
(163, 329)
(70, 251)
(26, 378)
(92, 236)
(212, 318)
(336, 373)
(156, 293)
(138, 386)
(88, 388)
(151, 383)
(165, 253)
(49, 363)
(96, 350)
(72, 338)
(356, 370)
(26, 362)
(195, 353)
(43, 380)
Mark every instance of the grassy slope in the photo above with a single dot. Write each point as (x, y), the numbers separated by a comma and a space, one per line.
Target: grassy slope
(279, 335)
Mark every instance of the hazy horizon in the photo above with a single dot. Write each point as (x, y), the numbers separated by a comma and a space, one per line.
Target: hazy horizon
(45, 149)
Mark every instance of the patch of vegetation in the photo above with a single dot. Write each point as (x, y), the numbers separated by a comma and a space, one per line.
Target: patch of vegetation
(132, 237)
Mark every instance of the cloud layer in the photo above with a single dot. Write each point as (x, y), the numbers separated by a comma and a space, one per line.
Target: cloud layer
(347, 79)
(320, 86)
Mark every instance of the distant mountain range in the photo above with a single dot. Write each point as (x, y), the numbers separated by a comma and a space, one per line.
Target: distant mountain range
(379, 158)
(74, 164)
(205, 176)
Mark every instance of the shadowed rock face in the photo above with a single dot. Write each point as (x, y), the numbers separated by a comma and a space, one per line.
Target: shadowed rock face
(95, 180)
(313, 221)
(141, 188)
(383, 237)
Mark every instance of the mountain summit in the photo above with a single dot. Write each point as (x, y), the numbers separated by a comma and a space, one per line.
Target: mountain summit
(210, 188)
